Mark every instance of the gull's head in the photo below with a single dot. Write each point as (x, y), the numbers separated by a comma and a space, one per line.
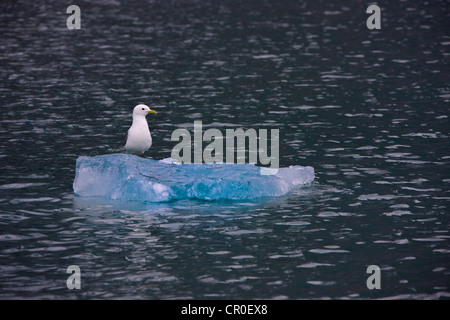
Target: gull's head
(142, 110)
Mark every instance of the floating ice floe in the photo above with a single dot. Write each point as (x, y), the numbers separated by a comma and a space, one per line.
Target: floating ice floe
(129, 177)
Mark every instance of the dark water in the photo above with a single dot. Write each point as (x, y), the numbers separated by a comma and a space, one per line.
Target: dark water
(368, 109)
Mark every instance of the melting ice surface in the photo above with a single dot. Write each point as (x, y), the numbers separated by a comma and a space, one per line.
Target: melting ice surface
(128, 177)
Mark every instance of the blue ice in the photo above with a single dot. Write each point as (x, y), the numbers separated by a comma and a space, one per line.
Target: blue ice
(129, 177)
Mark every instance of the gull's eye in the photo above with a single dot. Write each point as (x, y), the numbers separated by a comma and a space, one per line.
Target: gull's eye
(143, 109)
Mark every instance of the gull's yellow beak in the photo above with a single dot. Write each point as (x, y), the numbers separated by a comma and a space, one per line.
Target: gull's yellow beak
(151, 111)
